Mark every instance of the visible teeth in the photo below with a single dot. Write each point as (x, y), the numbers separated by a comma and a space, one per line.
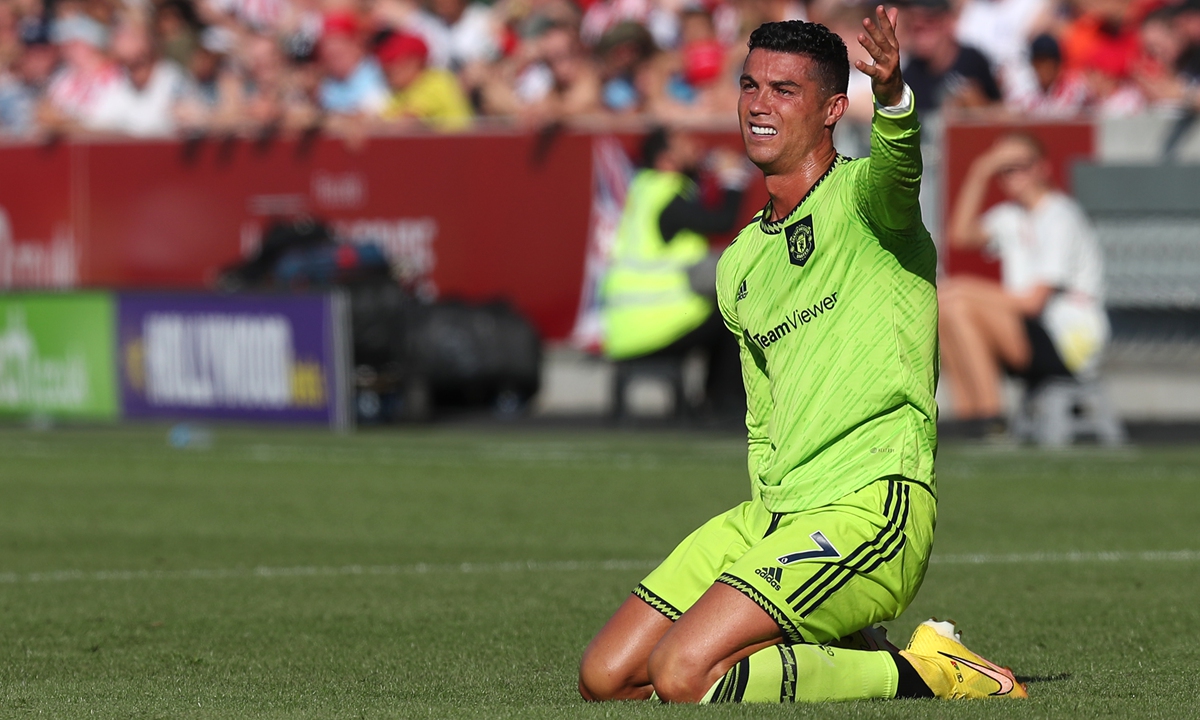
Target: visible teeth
(762, 130)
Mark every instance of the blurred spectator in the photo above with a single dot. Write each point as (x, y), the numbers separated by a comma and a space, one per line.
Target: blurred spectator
(87, 74)
(1102, 34)
(471, 33)
(697, 83)
(429, 95)
(1046, 318)
(1170, 70)
(141, 102)
(178, 30)
(353, 83)
(660, 19)
(24, 82)
(1053, 92)
(941, 72)
(623, 53)
(550, 79)
(1001, 30)
(212, 97)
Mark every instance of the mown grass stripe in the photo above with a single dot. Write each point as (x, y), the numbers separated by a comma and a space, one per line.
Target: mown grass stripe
(544, 566)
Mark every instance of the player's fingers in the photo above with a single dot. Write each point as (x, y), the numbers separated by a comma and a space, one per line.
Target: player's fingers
(886, 20)
(865, 69)
(876, 29)
(871, 46)
(874, 33)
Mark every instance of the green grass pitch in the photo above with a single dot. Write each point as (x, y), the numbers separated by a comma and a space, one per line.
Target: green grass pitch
(459, 572)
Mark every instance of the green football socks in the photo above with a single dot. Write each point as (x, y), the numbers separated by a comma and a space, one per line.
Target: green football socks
(807, 673)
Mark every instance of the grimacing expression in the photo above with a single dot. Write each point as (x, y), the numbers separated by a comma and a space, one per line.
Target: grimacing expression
(783, 111)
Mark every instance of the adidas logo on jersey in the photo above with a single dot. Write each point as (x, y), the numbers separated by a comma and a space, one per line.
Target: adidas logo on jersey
(773, 575)
(741, 295)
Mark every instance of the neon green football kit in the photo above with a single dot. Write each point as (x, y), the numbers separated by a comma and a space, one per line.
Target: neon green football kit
(835, 310)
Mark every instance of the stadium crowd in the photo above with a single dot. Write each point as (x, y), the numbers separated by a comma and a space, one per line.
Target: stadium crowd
(161, 68)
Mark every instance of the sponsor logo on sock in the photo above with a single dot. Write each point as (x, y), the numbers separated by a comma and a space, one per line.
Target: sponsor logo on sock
(773, 575)
(998, 674)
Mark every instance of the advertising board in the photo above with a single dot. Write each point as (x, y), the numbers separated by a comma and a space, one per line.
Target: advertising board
(56, 355)
(234, 357)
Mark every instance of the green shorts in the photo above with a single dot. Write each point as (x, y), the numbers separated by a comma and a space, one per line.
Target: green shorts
(822, 574)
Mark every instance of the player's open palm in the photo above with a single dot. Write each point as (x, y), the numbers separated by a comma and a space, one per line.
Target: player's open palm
(880, 41)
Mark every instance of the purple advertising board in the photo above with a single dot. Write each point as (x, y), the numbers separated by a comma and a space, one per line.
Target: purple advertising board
(280, 358)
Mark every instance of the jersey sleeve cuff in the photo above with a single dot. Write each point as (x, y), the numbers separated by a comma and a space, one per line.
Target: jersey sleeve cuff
(901, 108)
(898, 119)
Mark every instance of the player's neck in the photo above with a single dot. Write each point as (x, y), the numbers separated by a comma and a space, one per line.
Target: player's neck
(787, 189)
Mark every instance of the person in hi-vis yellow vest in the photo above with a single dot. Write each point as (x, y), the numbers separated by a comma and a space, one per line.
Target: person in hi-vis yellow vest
(658, 295)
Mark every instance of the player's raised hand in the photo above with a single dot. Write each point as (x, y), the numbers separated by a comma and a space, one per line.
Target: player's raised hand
(880, 41)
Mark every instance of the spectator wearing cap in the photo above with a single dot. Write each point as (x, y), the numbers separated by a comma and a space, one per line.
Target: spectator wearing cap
(353, 82)
(86, 75)
(142, 102)
(941, 71)
(1051, 91)
(429, 95)
(696, 82)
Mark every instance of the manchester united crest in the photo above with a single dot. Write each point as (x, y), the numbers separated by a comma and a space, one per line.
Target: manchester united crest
(800, 241)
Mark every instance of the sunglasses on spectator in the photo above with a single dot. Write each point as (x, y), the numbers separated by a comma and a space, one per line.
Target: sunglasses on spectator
(1016, 167)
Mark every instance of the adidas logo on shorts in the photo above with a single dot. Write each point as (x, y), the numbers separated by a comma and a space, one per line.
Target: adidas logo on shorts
(773, 575)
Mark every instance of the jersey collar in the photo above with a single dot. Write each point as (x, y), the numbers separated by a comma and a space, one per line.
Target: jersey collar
(777, 226)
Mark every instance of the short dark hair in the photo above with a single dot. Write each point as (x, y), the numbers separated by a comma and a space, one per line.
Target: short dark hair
(812, 40)
(655, 144)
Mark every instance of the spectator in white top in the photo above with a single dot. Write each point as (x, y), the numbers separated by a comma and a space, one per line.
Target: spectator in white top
(1046, 318)
(472, 32)
(86, 75)
(142, 103)
(1001, 30)
(1052, 91)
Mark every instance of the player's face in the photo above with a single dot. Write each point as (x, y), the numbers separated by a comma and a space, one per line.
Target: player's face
(783, 112)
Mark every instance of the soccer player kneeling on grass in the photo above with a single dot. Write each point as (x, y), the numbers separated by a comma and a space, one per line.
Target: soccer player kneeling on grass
(830, 291)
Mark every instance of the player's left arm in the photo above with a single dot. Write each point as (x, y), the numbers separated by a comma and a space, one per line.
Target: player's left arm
(891, 185)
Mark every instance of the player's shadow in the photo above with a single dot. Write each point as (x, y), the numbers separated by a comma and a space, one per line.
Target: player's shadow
(1059, 677)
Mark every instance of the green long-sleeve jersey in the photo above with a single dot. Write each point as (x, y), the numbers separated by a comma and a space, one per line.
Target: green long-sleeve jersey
(835, 309)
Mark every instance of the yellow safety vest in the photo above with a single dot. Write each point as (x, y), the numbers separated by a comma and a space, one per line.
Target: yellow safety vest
(646, 298)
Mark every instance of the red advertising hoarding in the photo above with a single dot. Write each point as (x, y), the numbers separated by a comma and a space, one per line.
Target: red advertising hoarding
(477, 217)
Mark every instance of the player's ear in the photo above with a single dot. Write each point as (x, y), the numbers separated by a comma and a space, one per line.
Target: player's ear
(835, 108)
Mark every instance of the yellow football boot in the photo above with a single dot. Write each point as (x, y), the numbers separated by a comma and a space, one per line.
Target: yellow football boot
(951, 670)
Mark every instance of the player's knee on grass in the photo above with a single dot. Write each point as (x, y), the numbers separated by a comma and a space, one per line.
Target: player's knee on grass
(602, 677)
(678, 674)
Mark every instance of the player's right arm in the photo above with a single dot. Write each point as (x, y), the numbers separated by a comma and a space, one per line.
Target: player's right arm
(888, 192)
